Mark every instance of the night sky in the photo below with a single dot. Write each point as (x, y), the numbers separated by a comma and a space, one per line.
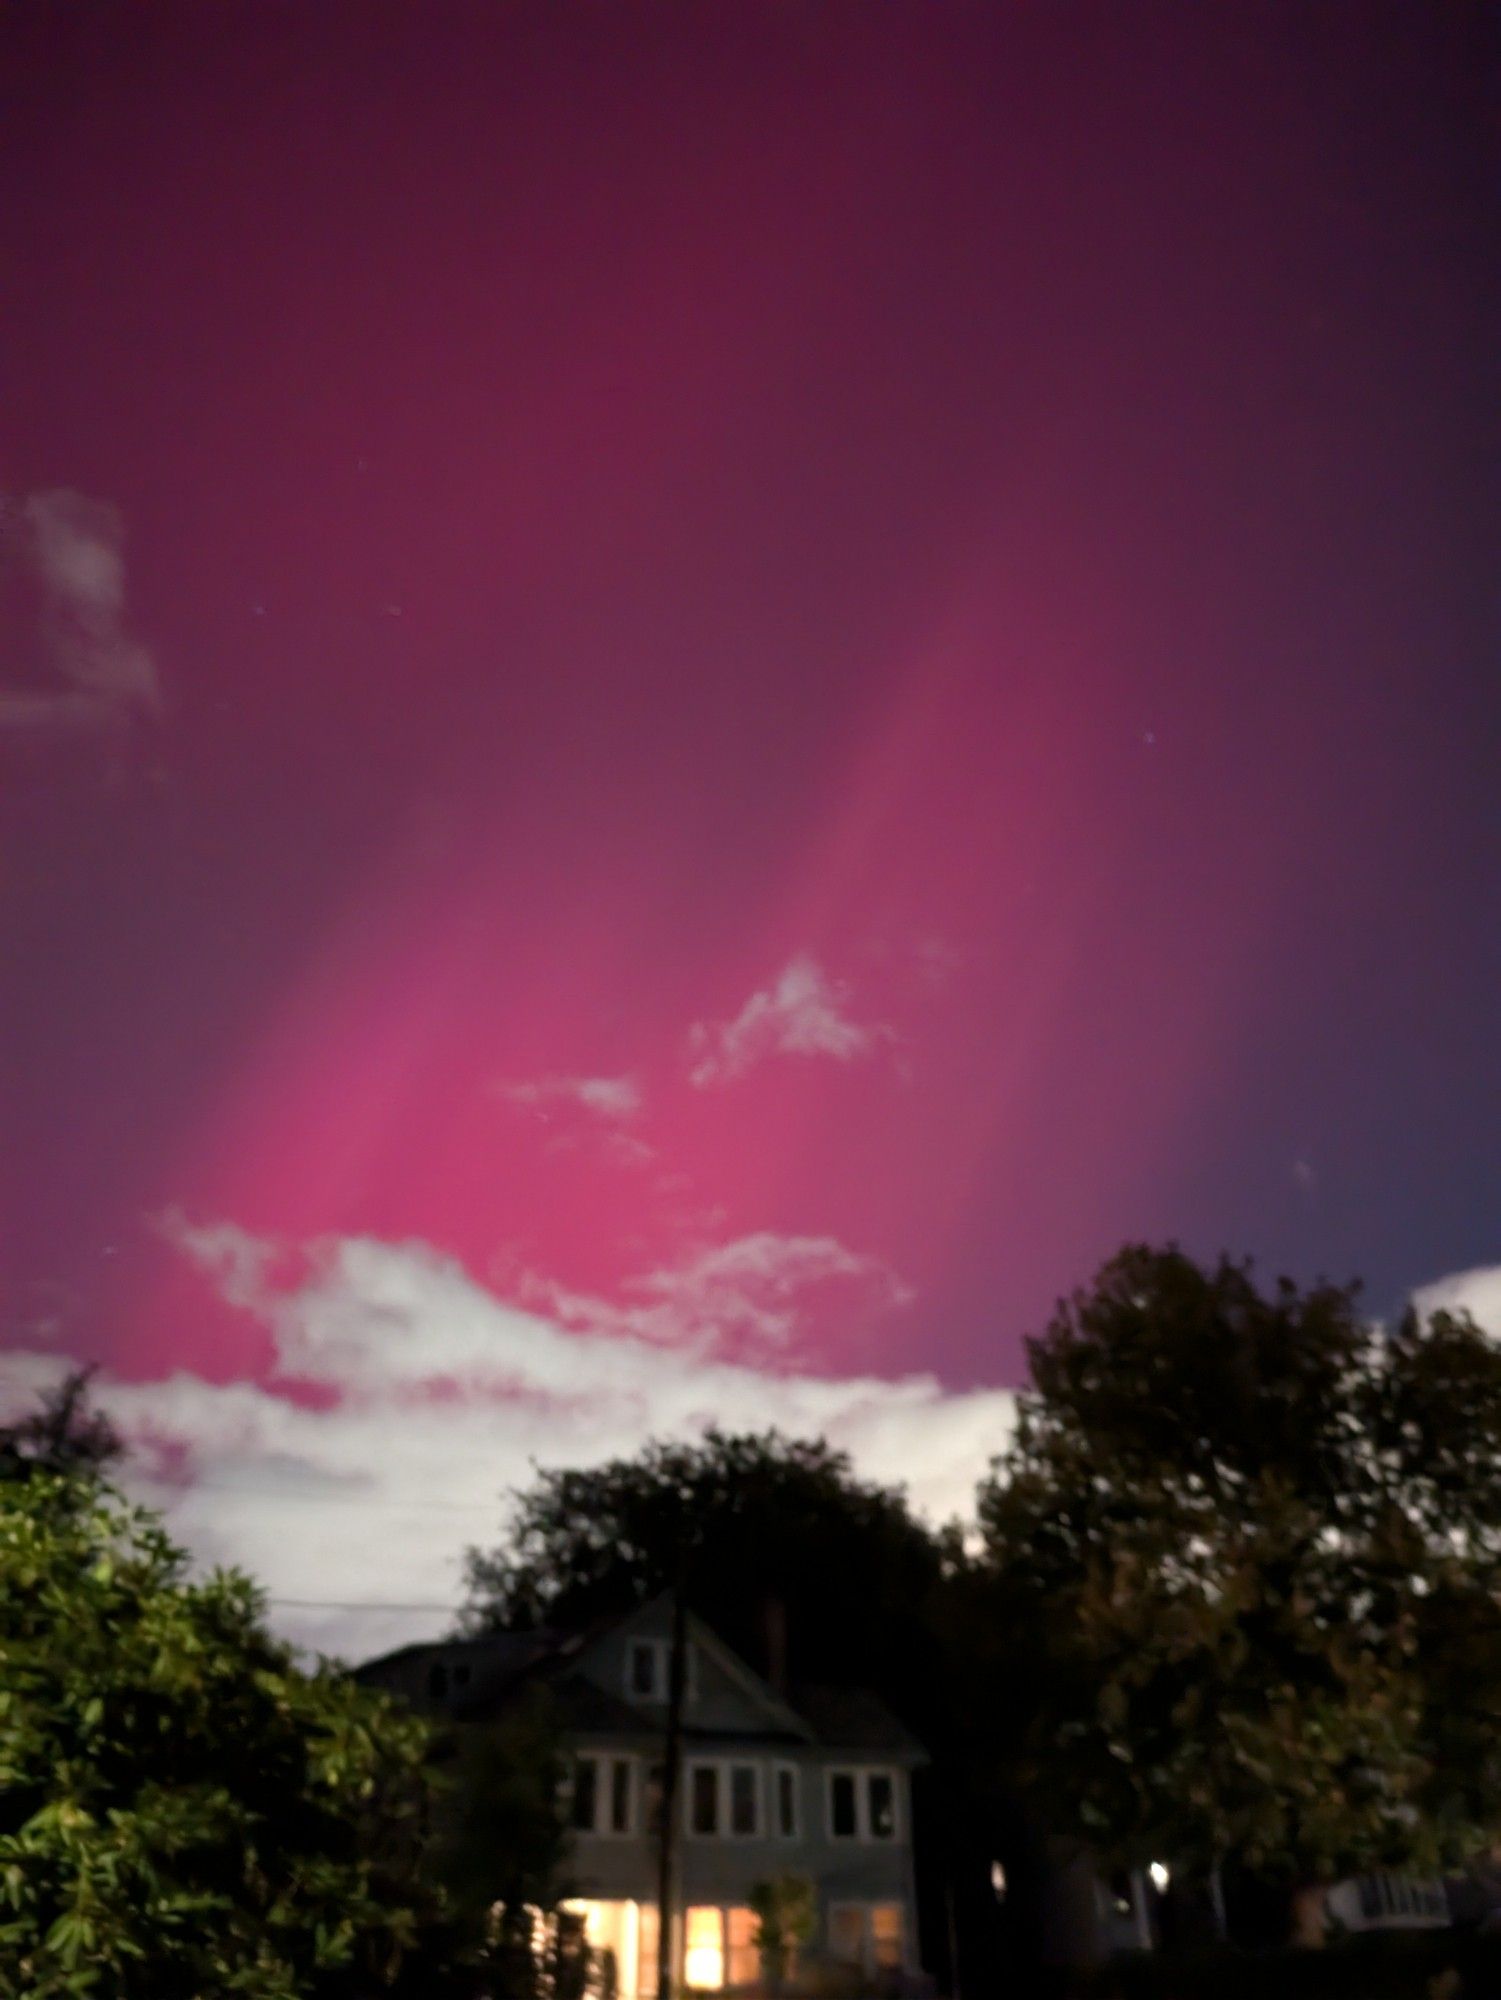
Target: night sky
(730, 682)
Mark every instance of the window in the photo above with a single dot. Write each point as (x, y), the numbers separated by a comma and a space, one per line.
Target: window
(886, 1936)
(585, 1794)
(744, 1818)
(724, 1800)
(847, 1933)
(646, 1670)
(703, 1949)
(862, 1805)
(654, 1786)
(602, 1795)
(742, 1959)
(646, 1953)
(786, 1801)
(867, 1935)
(719, 1948)
(620, 1795)
(703, 1799)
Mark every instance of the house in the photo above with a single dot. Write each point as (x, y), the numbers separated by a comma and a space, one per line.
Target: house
(812, 1782)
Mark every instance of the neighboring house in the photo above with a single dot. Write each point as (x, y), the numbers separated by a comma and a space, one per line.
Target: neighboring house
(1387, 1902)
(814, 1783)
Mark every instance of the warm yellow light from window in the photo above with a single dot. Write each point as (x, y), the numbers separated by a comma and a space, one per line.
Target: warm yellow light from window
(886, 1934)
(703, 1950)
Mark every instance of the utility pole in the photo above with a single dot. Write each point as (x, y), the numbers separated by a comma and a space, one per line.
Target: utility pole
(672, 1758)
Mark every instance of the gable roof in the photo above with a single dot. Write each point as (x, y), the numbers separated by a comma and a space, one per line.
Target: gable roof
(782, 1719)
(851, 1719)
(856, 1719)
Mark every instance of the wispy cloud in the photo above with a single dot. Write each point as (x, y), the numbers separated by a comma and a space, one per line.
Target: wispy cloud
(802, 1013)
(753, 1292)
(436, 1397)
(607, 1097)
(71, 550)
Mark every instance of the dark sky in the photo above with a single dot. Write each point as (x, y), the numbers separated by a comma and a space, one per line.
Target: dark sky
(789, 664)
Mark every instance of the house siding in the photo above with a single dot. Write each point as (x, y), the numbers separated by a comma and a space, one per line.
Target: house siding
(730, 1716)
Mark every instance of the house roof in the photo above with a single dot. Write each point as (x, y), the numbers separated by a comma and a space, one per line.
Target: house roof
(853, 1718)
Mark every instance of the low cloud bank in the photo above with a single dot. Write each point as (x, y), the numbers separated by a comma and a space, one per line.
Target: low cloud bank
(408, 1399)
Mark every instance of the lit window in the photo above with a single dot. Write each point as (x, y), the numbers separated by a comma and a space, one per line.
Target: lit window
(842, 1805)
(867, 1935)
(886, 1936)
(585, 1794)
(743, 1801)
(614, 1931)
(703, 1950)
(743, 1958)
(703, 1803)
(646, 1954)
(787, 1801)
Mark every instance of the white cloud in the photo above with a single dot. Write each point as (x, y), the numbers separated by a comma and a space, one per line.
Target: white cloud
(1477, 1292)
(801, 1014)
(752, 1289)
(434, 1397)
(72, 549)
(241, 1263)
(607, 1097)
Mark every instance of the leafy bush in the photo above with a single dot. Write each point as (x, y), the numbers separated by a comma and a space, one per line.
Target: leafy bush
(183, 1811)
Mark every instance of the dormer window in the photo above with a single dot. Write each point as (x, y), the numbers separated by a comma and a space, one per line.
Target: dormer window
(646, 1669)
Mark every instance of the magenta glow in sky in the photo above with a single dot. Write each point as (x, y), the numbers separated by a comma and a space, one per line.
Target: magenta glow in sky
(787, 667)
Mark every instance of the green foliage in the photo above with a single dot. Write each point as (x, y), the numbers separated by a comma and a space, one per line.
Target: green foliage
(499, 1831)
(786, 1910)
(183, 1812)
(1255, 1552)
(758, 1518)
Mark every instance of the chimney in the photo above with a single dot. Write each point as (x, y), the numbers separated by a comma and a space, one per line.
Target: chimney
(774, 1624)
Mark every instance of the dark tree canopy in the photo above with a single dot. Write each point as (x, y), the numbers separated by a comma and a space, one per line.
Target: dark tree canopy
(766, 1527)
(1253, 1548)
(63, 1434)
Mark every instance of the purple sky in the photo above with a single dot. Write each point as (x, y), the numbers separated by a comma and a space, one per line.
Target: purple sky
(742, 680)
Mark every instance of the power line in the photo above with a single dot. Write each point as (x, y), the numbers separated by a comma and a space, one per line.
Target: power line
(174, 1493)
(353, 1605)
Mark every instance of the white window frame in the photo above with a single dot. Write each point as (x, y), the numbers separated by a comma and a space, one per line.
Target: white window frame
(864, 1834)
(865, 1905)
(661, 1668)
(723, 1828)
(604, 1762)
(781, 1770)
(661, 1650)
